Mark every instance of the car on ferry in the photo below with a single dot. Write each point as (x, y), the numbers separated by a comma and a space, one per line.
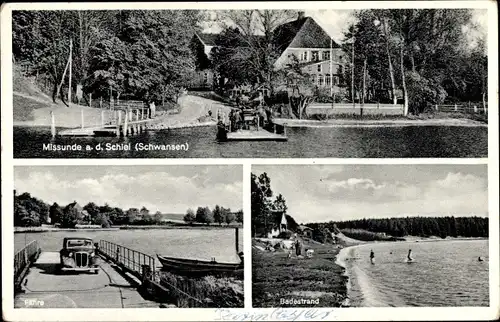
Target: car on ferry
(78, 254)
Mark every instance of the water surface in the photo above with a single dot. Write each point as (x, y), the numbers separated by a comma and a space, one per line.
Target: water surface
(187, 243)
(443, 273)
(341, 142)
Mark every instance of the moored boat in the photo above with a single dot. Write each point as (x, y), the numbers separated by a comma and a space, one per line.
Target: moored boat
(187, 266)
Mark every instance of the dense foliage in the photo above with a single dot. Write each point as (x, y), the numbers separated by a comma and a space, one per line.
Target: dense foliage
(144, 54)
(429, 54)
(219, 215)
(417, 226)
(30, 211)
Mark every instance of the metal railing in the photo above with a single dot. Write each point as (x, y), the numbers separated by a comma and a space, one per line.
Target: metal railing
(23, 258)
(130, 259)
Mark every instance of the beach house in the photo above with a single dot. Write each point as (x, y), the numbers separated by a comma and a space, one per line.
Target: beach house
(279, 225)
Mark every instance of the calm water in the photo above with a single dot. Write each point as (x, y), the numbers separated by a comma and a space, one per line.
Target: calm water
(186, 243)
(444, 273)
(342, 142)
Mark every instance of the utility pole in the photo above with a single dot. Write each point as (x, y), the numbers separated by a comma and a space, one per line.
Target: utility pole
(70, 63)
(352, 71)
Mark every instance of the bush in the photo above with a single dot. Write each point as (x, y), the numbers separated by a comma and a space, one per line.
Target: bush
(423, 92)
(285, 235)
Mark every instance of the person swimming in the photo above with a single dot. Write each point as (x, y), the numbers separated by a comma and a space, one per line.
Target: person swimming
(409, 258)
(480, 259)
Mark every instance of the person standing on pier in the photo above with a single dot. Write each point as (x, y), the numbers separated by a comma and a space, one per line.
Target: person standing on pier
(152, 109)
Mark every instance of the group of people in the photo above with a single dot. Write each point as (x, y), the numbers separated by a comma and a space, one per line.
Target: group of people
(372, 256)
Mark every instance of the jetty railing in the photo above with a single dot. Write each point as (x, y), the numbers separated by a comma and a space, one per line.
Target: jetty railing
(22, 260)
(183, 291)
(129, 259)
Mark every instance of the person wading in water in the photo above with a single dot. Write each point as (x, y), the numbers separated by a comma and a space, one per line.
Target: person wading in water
(372, 257)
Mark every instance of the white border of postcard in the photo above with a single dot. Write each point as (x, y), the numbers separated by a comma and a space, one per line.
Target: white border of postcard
(284, 314)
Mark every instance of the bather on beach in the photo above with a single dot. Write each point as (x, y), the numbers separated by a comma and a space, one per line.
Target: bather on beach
(409, 256)
(372, 256)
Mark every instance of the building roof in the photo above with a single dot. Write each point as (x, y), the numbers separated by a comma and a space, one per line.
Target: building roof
(208, 39)
(302, 227)
(302, 33)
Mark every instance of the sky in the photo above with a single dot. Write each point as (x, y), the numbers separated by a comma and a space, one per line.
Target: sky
(320, 193)
(168, 189)
(336, 22)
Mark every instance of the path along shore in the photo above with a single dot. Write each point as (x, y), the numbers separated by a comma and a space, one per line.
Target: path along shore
(193, 112)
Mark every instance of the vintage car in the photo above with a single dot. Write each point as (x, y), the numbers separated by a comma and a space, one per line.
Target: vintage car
(79, 254)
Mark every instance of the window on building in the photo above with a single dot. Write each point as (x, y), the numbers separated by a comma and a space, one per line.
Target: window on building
(340, 70)
(320, 80)
(205, 78)
(315, 55)
(319, 68)
(304, 56)
(335, 80)
(327, 79)
(326, 55)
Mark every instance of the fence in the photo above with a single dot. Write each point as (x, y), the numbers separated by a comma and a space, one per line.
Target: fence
(463, 108)
(132, 260)
(22, 260)
(143, 266)
(349, 108)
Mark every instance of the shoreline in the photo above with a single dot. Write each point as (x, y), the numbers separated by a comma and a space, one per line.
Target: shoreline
(378, 123)
(20, 230)
(341, 258)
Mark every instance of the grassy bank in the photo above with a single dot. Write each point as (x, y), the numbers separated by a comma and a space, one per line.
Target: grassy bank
(276, 277)
(206, 291)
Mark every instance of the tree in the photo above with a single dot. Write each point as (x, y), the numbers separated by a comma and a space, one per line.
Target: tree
(239, 216)
(229, 217)
(158, 217)
(55, 213)
(260, 198)
(132, 215)
(70, 217)
(258, 50)
(93, 211)
(190, 217)
(218, 214)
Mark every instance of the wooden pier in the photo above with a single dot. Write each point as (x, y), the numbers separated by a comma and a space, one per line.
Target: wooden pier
(122, 120)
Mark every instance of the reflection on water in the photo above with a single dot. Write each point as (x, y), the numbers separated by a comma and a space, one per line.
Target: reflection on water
(186, 243)
(443, 273)
(342, 142)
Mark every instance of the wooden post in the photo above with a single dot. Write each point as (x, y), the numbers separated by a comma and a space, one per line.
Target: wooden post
(456, 107)
(125, 125)
(437, 108)
(236, 241)
(82, 118)
(53, 124)
(100, 102)
(475, 108)
(118, 122)
(90, 100)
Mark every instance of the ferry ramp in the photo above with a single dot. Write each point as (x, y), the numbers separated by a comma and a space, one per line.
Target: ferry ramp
(46, 287)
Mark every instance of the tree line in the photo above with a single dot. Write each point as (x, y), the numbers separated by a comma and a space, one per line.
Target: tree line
(30, 211)
(143, 54)
(220, 215)
(415, 226)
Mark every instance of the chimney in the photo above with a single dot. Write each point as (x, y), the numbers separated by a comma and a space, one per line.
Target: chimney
(301, 15)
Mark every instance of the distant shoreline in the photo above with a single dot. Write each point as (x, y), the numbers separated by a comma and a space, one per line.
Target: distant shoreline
(18, 230)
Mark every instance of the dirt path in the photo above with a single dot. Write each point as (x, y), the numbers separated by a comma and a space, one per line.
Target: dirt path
(193, 112)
